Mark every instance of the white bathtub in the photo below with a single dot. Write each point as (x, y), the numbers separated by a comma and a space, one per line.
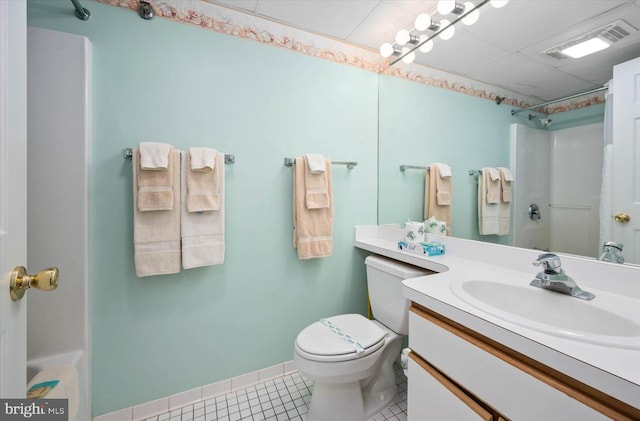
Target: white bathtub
(78, 361)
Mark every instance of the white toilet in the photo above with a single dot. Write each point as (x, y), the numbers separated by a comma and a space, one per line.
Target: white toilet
(349, 357)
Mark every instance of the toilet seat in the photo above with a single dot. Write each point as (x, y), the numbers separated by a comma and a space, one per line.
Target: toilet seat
(340, 338)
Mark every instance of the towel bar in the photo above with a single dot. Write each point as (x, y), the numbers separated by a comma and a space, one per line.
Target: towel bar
(288, 162)
(475, 172)
(127, 153)
(404, 167)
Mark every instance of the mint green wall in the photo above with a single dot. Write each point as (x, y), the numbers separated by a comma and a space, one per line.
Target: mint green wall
(579, 117)
(164, 81)
(419, 125)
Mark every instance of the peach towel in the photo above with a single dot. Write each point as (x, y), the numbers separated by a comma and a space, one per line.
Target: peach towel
(437, 196)
(316, 189)
(154, 188)
(488, 212)
(156, 235)
(312, 227)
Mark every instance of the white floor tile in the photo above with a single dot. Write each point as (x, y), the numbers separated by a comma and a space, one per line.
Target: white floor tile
(280, 398)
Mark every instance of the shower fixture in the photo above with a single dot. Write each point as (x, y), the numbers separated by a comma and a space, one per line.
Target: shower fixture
(80, 12)
(544, 122)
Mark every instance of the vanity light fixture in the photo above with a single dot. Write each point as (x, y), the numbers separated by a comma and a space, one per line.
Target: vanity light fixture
(472, 14)
(449, 30)
(406, 42)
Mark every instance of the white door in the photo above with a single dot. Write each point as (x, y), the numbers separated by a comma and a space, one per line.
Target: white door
(13, 193)
(626, 158)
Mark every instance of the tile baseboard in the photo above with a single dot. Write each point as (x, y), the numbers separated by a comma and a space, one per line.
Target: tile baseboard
(159, 406)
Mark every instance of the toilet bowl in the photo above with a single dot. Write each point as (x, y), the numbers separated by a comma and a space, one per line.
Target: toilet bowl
(349, 357)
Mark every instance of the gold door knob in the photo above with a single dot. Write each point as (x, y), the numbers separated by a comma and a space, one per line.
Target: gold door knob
(623, 218)
(45, 280)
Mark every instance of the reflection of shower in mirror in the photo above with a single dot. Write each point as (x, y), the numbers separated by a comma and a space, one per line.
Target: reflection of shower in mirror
(544, 122)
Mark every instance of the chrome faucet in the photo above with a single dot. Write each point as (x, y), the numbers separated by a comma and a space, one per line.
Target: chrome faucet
(555, 279)
(611, 252)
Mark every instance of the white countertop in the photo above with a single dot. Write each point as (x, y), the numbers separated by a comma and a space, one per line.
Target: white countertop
(612, 370)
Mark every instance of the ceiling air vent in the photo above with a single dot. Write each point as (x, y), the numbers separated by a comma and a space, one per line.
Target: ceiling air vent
(610, 33)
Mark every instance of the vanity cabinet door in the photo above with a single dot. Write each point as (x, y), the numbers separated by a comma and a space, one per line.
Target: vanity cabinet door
(513, 388)
(435, 397)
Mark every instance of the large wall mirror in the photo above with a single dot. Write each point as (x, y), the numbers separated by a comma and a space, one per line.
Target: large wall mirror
(420, 125)
(427, 116)
(559, 168)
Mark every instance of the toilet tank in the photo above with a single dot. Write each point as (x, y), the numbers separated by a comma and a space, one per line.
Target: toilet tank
(384, 280)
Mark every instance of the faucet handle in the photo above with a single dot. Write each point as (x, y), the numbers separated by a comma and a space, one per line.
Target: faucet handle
(550, 262)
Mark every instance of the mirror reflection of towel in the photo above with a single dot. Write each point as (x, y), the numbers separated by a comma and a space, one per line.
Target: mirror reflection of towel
(504, 213)
(488, 212)
(437, 196)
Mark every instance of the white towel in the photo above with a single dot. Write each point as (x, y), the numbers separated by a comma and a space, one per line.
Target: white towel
(315, 163)
(156, 235)
(203, 238)
(154, 155)
(488, 213)
(445, 170)
(202, 159)
(504, 207)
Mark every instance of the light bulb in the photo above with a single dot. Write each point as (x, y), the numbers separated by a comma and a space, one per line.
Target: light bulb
(446, 6)
(471, 13)
(402, 37)
(386, 49)
(498, 3)
(447, 33)
(408, 58)
(427, 46)
(423, 21)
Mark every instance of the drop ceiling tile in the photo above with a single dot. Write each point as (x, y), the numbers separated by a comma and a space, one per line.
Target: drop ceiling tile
(553, 84)
(509, 70)
(336, 18)
(414, 7)
(381, 25)
(598, 68)
(248, 5)
(460, 54)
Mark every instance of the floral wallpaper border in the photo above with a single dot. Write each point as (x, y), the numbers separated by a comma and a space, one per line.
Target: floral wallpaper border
(235, 23)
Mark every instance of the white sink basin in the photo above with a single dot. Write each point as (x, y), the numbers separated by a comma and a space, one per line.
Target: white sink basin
(609, 319)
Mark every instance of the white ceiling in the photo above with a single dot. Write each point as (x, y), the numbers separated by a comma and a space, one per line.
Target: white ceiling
(502, 49)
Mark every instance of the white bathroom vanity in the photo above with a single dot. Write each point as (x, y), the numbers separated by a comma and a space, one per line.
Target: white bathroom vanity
(487, 345)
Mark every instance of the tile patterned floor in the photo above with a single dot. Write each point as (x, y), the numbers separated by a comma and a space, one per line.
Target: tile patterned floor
(278, 399)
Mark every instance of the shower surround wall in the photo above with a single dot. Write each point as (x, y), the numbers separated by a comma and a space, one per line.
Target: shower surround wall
(58, 119)
(164, 81)
(560, 171)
